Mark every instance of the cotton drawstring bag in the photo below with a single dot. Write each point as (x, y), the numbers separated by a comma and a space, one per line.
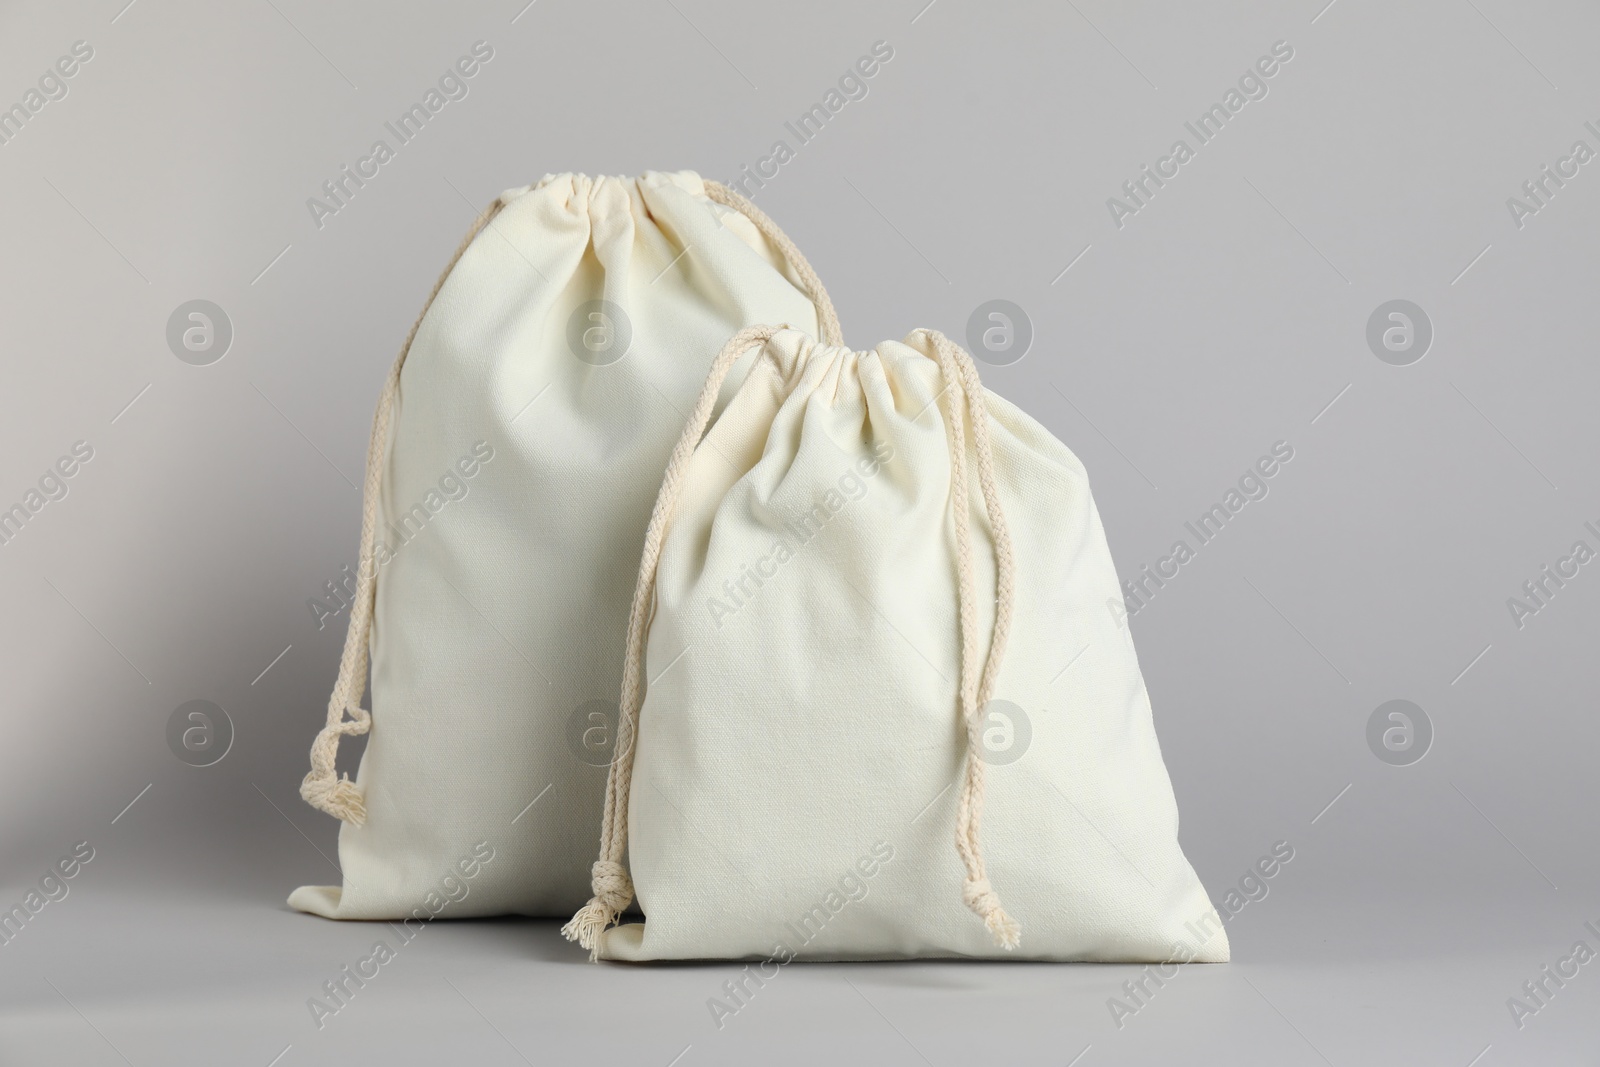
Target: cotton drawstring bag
(514, 455)
(871, 615)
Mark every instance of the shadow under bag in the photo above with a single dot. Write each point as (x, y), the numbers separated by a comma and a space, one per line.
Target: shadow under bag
(862, 572)
(514, 456)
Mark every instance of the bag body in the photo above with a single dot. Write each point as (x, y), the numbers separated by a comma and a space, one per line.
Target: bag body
(513, 463)
(865, 626)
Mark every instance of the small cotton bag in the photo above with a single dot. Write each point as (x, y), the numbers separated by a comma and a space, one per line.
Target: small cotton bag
(512, 464)
(872, 606)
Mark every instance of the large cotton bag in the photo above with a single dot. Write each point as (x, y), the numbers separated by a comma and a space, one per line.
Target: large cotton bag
(515, 453)
(872, 615)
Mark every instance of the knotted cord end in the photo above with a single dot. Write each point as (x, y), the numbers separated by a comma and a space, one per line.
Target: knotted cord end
(613, 892)
(981, 898)
(338, 797)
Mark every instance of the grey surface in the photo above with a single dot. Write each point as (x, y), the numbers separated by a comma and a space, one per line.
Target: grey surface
(1226, 315)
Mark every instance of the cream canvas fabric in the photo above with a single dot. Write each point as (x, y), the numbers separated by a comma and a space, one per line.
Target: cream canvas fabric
(883, 708)
(515, 454)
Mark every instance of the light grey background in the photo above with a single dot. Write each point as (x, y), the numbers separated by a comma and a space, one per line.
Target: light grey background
(1226, 315)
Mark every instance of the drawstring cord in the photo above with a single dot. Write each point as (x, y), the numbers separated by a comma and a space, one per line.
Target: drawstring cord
(976, 690)
(322, 788)
(827, 318)
(613, 889)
